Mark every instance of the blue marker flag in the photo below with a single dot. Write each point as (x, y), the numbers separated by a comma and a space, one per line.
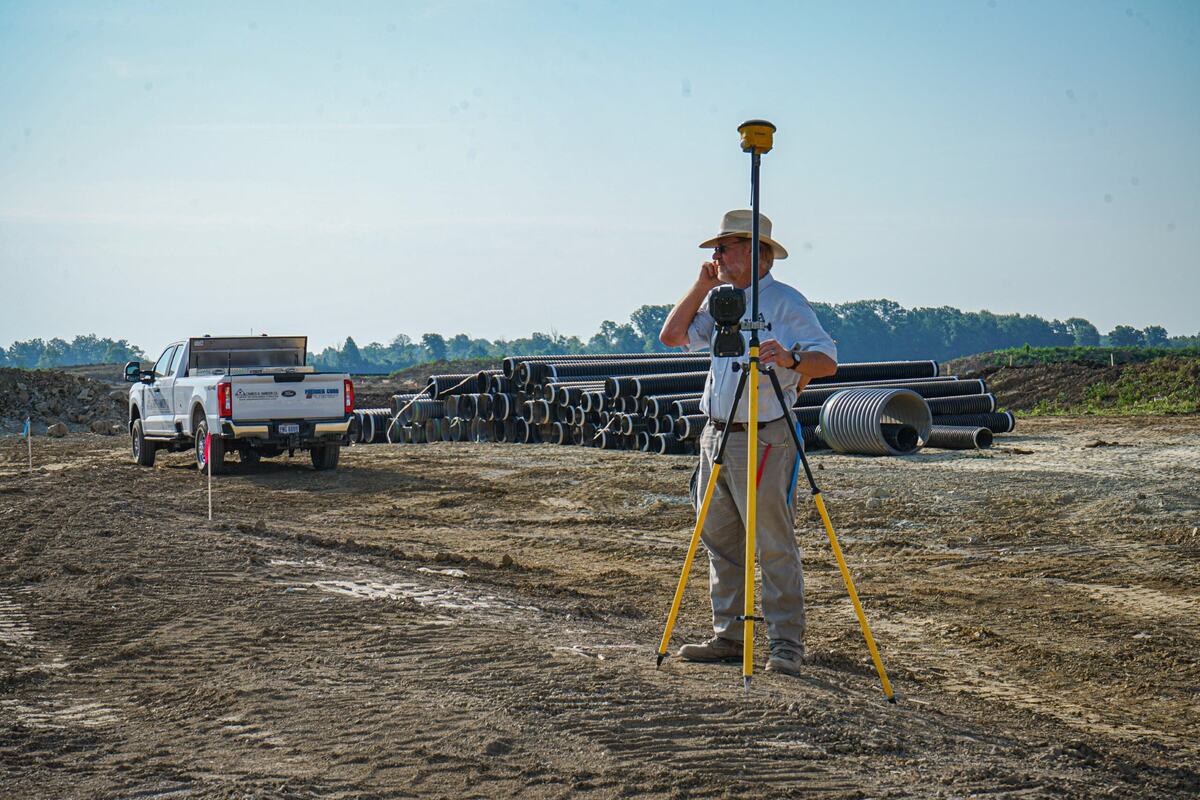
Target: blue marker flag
(26, 431)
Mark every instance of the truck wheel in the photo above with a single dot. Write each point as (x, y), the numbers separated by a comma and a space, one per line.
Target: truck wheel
(216, 450)
(325, 456)
(143, 451)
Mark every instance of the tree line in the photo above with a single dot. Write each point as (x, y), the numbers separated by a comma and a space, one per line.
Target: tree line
(89, 349)
(865, 330)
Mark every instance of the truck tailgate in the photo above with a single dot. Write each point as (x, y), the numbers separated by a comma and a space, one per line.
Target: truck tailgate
(291, 396)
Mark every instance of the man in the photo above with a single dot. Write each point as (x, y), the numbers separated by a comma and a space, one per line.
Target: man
(799, 351)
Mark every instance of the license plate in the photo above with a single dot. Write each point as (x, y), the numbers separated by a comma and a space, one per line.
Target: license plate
(287, 428)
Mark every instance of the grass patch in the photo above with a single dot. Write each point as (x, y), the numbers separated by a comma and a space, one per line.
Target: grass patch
(1164, 385)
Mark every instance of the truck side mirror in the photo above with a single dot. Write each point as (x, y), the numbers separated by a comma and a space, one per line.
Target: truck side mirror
(133, 371)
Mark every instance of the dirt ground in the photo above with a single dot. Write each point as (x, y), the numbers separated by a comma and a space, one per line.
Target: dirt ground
(480, 620)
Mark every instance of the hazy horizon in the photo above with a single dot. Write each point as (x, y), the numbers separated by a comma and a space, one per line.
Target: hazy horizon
(507, 167)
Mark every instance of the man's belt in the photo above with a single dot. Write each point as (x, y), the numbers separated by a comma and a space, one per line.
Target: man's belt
(736, 427)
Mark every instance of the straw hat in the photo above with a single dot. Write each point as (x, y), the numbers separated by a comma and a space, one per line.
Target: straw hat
(737, 223)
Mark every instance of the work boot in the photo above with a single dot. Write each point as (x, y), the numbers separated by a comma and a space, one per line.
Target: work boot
(786, 657)
(715, 649)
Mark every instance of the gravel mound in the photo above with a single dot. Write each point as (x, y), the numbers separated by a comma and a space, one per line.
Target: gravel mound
(50, 397)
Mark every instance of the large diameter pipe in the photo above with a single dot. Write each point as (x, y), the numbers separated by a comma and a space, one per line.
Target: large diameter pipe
(959, 437)
(852, 421)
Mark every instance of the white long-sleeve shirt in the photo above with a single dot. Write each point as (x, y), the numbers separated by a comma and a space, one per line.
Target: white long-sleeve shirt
(793, 323)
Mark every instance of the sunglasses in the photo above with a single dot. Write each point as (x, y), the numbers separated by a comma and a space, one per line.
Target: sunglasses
(721, 249)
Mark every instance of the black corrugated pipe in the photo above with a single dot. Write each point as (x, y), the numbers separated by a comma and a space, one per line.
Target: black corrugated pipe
(562, 433)
(509, 365)
(524, 431)
(497, 430)
(610, 440)
(667, 444)
(417, 433)
(606, 369)
(684, 408)
(399, 402)
(816, 397)
(656, 405)
(502, 406)
(450, 403)
(483, 406)
(880, 370)
(467, 405)
(483, 380)
(433, 429)
(663, 383)
(366, 424)
(963, 404)
(452, 429)
(526, 369)
(425, 409)
(354, 432)
(691, 426)
(577, 435)
(959, 437)
(442, 385)
(589, 430)
(502, 385)
(996, 422)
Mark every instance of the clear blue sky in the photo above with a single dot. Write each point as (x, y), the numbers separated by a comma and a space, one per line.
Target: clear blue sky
(496, 168)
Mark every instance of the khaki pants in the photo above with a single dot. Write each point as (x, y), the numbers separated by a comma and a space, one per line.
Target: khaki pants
(724, 533)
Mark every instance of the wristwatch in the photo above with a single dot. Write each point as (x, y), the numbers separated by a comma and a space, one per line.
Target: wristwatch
(796, 351)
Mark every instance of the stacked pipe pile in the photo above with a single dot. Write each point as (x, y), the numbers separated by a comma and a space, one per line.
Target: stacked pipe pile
(651, 402)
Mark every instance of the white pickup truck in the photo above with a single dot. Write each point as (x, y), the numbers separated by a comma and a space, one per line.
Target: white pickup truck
(254, 393)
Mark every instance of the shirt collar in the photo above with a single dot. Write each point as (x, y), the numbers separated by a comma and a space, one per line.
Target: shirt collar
(763, 283)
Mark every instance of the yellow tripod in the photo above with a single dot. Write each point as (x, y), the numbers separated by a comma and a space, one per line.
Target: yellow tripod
(757, 139)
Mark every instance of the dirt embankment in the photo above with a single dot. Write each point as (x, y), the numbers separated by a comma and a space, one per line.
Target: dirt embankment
(473, 620)
(1165, 384)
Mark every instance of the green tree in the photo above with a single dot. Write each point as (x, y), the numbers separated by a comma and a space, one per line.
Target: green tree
(434, 346)
(1155, 336)
(648, 322)
(1126, 336)
(1083, 333)
(350, 359)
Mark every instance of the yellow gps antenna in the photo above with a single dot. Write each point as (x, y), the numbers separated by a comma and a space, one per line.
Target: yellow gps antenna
(757, 136)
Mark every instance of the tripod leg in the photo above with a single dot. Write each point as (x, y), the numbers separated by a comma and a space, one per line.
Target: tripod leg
(833, 543)
(687, 564)
(700, 517)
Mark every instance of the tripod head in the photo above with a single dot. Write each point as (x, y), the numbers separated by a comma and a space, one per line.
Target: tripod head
(727, 304)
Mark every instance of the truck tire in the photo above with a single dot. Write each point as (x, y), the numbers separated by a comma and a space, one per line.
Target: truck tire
(216, 450)
(143, 451)
(325, 456)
